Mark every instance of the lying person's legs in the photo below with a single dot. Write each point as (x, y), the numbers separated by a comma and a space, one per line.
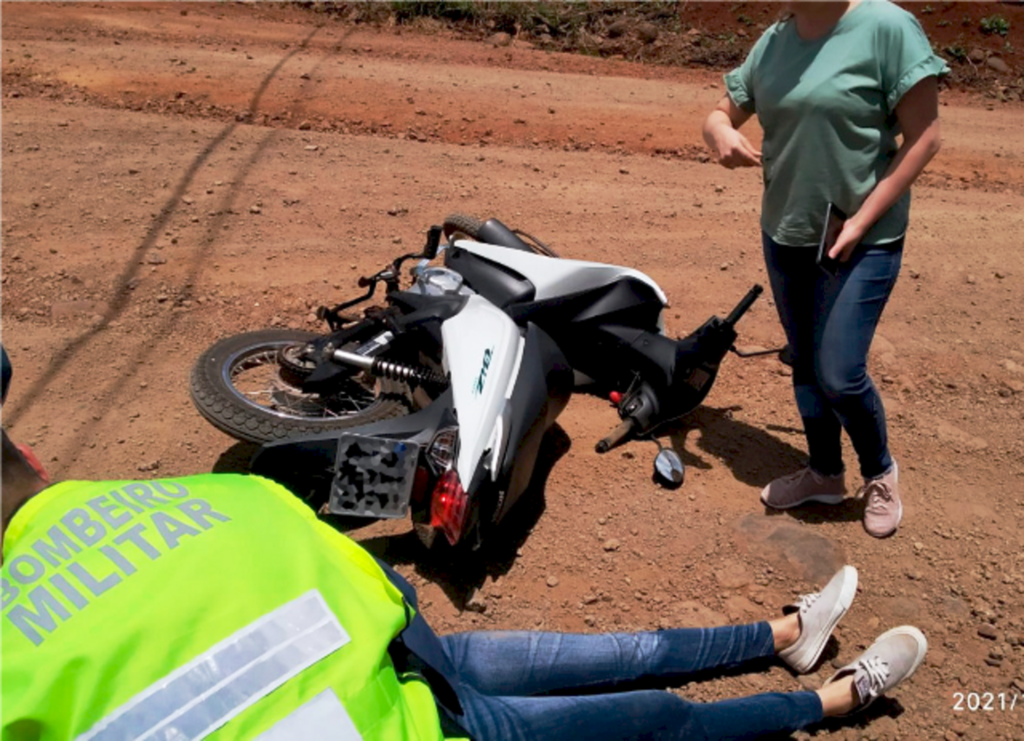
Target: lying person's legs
(662, 716)
(508, 680)
(525, 663)
(651, 714)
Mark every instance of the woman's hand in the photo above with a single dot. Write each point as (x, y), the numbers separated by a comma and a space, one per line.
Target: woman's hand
(734, 149)
(850, 236)
(730, 147)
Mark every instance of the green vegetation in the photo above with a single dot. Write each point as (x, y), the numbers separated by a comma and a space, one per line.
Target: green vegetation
(560, 20)
(995, 24)
(957, 52)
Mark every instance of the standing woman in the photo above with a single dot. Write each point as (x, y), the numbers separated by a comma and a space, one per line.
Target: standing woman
(833, 86)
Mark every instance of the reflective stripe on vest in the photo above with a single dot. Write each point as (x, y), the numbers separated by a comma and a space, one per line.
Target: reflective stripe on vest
(193, 701)
(321, 719)
(153, 608)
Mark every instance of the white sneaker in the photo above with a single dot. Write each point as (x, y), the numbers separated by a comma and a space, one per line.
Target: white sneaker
(893, 657)
(819, 614)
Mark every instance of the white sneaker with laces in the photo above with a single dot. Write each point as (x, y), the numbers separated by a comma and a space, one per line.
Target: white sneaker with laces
(819, 614)
(893, 657)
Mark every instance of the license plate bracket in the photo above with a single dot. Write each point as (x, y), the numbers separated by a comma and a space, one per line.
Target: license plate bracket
(373, 476)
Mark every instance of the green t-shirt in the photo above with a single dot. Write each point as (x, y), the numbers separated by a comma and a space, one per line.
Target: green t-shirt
(827, 108)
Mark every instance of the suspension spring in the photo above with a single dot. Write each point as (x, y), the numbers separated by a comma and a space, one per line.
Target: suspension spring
(407, 373)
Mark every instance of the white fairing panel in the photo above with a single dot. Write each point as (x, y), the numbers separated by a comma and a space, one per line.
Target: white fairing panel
(481, 350)
(555, 276)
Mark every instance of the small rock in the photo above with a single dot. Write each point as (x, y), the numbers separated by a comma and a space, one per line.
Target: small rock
(552, 581)
(156, 259)
(971, 280)
(589, 599)
(617, 29)
(993, 662)
(305, 126)
(161, 298)
(998, 65)
(476, 605)
(612, 544)
(1014, 639)
(936, 659)
(987, 631)
(148, 467)
(255, 210)
(719, 189)
(312, 148)
(647, 33)
(623, 171)
(188, 201)
(500, 39)
(976, 55)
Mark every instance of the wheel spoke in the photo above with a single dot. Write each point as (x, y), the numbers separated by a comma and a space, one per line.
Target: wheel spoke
(256, 377)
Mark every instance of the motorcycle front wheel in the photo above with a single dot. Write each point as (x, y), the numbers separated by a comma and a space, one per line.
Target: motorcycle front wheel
(249, 386)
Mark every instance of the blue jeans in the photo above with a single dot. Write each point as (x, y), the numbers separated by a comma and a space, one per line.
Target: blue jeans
(513, 686)
(829, 323)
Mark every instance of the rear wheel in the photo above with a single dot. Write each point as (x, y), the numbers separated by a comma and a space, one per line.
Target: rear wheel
(456, 224)
(249, 386)
(469, 226)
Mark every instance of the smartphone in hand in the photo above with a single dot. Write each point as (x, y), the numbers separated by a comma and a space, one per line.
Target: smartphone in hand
(834, 220)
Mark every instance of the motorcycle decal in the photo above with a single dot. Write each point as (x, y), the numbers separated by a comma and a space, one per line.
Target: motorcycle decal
(478, 386)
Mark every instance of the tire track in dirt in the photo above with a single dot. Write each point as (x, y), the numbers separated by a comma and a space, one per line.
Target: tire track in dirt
(122, 293)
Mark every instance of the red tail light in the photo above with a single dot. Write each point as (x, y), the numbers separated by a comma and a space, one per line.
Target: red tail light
(450, 506)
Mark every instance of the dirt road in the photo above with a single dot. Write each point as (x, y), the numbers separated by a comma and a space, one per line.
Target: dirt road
(173, 174)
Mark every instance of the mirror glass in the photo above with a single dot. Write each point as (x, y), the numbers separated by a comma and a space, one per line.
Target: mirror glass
(668, 468)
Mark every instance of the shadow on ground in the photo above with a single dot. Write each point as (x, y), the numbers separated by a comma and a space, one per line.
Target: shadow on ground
(754, 455)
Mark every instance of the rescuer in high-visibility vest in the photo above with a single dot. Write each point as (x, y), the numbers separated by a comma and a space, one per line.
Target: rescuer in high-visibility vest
(219, 606)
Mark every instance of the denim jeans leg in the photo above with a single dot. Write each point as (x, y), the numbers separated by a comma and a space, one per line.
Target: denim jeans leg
(652, 715)
(534, 663)
(853, 303)
(507, 682)
(795, 280)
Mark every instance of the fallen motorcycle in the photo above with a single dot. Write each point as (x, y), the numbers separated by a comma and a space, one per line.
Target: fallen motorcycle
(435, 404)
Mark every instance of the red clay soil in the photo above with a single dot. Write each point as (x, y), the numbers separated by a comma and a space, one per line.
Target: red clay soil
(173, 174)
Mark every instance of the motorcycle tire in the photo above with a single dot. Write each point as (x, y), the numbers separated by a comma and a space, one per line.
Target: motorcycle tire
(462, 224)
(471, 227)
(236, 413)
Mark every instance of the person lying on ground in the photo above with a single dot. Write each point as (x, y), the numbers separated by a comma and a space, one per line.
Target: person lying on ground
(219, 605)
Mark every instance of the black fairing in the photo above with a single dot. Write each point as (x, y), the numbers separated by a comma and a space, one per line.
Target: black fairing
(494, 232)
(581, 324)
(542, 390)
(500, 285)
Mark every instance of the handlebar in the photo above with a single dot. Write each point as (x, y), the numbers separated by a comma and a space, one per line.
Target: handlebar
(744, 305)
(616, 436)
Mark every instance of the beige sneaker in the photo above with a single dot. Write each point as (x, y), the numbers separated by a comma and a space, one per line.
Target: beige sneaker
(819, 614)
(802, 487)
(892, 658)
(883, 509)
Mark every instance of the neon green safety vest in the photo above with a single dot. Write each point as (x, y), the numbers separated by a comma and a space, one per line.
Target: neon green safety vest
(213, 605)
